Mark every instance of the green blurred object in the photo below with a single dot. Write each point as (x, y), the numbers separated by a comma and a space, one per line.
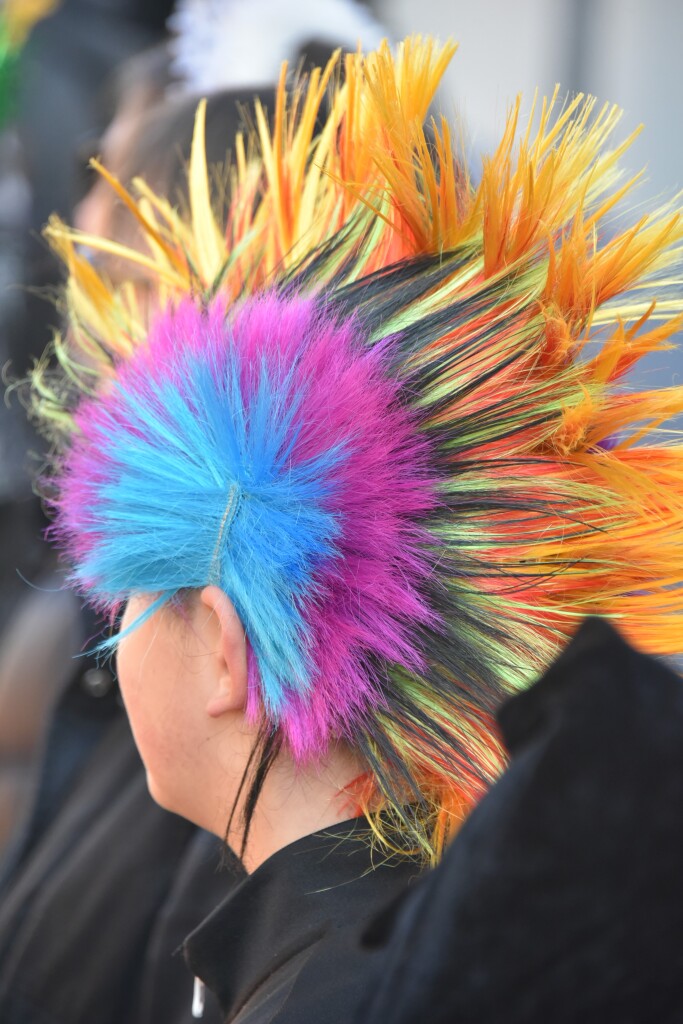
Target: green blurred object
(9, 63)
(17, 18)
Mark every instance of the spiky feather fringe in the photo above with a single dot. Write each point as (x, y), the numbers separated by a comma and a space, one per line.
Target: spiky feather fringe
(518, 306)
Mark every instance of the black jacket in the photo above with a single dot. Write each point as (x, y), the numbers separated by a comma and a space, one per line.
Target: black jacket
(561, 899)
(284, 947)
(102, 886)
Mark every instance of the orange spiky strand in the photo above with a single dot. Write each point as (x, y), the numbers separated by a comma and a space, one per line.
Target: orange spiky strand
(509, 313)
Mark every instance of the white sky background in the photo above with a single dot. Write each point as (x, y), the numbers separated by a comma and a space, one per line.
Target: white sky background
(626, 51)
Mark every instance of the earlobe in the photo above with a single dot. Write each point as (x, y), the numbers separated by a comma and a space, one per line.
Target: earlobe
(228, 641)
(219, 704)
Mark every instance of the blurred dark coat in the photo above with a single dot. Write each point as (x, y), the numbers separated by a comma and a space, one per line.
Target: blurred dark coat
(101, 887)
(561, 900)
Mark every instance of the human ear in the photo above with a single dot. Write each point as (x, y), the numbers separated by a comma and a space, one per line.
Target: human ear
(229, 645)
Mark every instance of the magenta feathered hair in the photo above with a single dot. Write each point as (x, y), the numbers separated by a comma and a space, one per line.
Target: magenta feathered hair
(282, 415)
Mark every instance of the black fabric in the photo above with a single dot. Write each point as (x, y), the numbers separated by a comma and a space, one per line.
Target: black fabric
(77, 724)
(101, 886)
(76, 921)
(285, 945)
(207, 873)
(562, 897)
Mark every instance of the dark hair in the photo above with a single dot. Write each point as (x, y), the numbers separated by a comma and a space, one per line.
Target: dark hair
(266, 748)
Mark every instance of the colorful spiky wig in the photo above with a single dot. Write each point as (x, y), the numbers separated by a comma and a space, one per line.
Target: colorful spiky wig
(386, 410)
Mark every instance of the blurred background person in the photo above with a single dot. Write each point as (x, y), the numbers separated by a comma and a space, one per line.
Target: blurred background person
(67, 59)
(57, 99)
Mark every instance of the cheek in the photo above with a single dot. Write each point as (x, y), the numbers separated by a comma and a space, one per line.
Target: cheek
(152, 693)
(165, 678)
(94, 212)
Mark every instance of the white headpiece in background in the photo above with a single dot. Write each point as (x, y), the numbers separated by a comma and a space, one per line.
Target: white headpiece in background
(228, 44)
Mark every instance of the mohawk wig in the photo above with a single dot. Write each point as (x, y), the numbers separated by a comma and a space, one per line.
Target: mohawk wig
(385, 410)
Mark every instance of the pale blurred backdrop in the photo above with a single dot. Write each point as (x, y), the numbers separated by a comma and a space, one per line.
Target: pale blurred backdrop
(624, 51)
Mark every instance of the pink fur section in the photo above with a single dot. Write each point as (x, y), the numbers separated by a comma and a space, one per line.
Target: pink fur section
(362, 607)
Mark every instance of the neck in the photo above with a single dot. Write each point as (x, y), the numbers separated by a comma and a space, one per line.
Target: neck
(295, 802)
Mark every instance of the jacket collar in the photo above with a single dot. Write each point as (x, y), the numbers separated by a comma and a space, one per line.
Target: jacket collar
(325, 881)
